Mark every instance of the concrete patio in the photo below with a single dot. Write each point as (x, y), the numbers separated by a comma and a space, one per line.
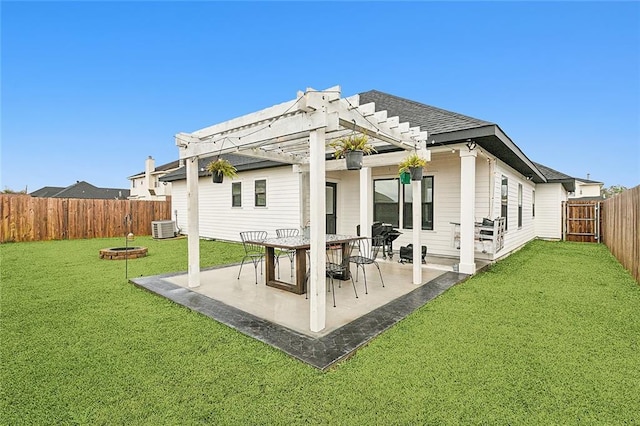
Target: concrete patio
(281, 318)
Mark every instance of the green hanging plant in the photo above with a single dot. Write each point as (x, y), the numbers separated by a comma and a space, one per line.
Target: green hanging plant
(359, 142)
(412, 161)
(222, 167)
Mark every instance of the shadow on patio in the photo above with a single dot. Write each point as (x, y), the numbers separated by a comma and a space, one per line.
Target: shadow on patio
(281, 319)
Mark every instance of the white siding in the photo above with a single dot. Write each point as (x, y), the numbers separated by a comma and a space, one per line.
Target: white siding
(179, 205)
(221, 221)
(549, 198)
(515, 237)
(348, 200)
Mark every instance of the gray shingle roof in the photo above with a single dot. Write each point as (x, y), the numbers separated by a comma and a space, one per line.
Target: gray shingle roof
(46, 191)
(240, 162)
(552, 174)
(432, 119)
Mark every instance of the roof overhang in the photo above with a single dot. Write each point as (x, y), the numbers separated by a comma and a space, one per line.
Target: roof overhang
(496, 142)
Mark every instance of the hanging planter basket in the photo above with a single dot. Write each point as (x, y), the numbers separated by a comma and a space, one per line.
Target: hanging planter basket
(220, 168)
(217, 177)
(405, 178)
(416, 173)
(354, 159)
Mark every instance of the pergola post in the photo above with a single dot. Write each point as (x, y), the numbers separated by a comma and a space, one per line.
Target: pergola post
(317, 289)
(193, 223)
(366, 202)
(467, 210)
(416, 188)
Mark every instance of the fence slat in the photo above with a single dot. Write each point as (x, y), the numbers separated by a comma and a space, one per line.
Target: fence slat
(26, 218)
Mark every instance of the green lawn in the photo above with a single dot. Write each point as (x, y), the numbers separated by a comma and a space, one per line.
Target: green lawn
(548, 336)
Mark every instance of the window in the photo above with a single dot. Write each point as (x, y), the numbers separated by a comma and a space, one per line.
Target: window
(533, 203)
(386, 205)
(236, 194)
(504, 198)
(261, 193)
(133, 183)
(519, 205)
(427, 205)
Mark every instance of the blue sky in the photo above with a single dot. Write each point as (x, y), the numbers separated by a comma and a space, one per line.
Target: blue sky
(90, 89)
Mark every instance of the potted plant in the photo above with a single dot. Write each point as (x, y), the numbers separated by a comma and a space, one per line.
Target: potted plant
(414, 165)
(220, 168)
(352, 148)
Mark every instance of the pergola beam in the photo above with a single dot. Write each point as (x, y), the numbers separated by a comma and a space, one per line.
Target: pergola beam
(252, 137)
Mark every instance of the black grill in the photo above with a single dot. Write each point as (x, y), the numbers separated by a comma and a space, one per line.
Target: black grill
(387, 234)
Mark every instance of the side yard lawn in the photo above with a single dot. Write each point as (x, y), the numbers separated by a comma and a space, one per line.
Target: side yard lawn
(550, 335)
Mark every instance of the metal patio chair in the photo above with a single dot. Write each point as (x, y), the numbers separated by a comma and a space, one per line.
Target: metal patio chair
(368, 250)
(253, 252)
(337, 266)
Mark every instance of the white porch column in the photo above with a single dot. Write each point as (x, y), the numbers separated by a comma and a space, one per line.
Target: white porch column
(467, 210)
(193, 223)
(317, 289)
(416, 189)
(366, 202)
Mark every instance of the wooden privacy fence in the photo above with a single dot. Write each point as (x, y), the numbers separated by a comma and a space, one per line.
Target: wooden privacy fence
(621, 229)
(582, 221)
(26, 218)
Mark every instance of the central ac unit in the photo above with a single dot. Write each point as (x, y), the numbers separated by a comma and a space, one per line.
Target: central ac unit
(163, 229)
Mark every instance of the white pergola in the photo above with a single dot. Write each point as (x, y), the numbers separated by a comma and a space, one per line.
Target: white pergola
(298, 132)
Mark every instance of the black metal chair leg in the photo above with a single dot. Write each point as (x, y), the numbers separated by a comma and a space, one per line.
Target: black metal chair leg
(381, 280)
(240, 271)
(364, 274)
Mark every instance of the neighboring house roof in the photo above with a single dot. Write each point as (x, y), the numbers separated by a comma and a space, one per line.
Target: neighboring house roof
(589, 181)
(82, 189)
(162, 168)
(588, 198)
(446, 127)
(47, 191)
(241, 163)
(554, 176)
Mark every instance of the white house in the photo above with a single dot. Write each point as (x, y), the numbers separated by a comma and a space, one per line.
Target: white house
(147, 185)
(507, 185)
(586, 188)
(287, 178)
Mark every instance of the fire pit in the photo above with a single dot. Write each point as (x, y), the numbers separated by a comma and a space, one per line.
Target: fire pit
(121, 253)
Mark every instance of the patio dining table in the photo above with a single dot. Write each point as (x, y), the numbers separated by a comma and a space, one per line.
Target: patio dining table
(300, 244)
